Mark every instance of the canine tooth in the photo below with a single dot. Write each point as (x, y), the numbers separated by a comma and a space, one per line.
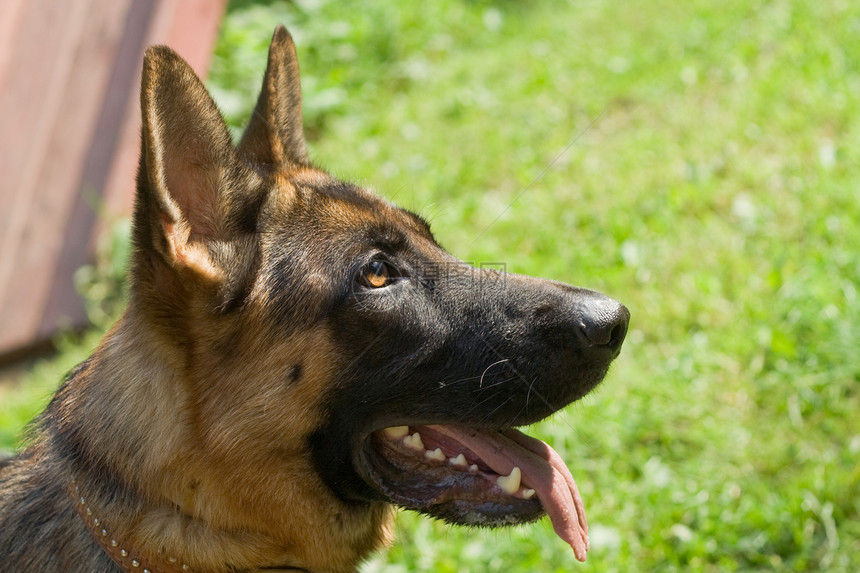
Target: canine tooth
(435, 455)
(510, 483)
(528, 493)
(473, 468)
(396, 432)
(459, 461)
(414, 442)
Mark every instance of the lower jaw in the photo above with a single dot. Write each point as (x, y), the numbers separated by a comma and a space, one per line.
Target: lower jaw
(465, 494)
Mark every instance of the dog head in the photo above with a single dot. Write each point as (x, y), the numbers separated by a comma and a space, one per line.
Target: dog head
(328, 357)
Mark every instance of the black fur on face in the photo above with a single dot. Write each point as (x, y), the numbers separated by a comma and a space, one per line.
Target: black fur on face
(444, 342)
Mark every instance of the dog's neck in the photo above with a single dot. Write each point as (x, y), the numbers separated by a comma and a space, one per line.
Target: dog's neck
(185, 505)
(127, 557)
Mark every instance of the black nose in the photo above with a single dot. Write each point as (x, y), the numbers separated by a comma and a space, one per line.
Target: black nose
(604, 322)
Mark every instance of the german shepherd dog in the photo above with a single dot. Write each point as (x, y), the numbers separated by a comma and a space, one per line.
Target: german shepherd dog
(298, 356)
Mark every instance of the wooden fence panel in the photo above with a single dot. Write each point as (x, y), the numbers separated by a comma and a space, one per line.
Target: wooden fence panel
(69, 137)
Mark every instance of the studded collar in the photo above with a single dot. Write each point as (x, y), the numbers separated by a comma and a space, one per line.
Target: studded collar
(127, 558)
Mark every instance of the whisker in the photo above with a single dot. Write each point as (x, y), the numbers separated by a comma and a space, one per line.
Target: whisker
(481, 383)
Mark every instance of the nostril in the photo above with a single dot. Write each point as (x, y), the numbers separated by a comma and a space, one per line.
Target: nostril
(616, 336)
(605, 324)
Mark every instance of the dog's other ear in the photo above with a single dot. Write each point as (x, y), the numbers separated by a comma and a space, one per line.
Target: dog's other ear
(186, 159)
(275, 137)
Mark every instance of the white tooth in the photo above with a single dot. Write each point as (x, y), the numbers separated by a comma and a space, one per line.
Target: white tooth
(528, 493)
(459, 461)
(396, 432)
(510, 483)
(473, 468)
(414, 442)
(435, 455)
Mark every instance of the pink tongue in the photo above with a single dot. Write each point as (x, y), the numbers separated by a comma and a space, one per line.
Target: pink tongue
(542, 469)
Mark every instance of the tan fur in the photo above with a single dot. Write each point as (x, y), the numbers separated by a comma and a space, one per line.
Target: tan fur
(225, 476)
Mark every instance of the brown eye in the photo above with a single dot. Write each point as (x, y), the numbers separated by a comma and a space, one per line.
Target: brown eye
(376, 274)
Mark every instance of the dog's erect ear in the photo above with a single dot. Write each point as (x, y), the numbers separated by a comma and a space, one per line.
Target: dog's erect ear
(275, 137)
(186, 158)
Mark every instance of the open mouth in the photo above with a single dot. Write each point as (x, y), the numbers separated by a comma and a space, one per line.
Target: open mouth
(476, 476)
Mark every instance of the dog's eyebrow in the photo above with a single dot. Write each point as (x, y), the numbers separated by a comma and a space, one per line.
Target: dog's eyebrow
(420, 221)
(387, 238)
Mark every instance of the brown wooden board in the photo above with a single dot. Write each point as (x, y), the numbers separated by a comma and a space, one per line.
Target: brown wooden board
(69, 136)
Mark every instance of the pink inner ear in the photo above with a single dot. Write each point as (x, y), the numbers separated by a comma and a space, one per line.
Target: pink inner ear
(193, 185)
(187, 253)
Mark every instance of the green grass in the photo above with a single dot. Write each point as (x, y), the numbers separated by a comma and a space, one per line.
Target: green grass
(699, 161)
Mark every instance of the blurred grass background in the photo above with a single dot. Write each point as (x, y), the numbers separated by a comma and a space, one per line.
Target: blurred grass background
(699, 161)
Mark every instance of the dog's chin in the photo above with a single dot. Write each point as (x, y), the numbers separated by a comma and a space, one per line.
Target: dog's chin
(428, 469)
